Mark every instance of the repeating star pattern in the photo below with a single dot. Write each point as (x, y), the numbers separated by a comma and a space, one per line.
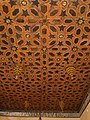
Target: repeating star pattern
(44, 54)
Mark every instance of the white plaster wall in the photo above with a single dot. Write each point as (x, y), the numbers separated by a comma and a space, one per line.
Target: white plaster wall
(86, 113)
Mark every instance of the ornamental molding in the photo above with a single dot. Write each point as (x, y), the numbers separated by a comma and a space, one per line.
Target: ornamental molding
(34, 114)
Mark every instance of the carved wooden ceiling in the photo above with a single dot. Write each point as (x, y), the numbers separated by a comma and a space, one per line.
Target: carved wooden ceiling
(44, 54)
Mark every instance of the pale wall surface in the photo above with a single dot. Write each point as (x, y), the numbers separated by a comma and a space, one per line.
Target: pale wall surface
(86, 113)
(26, 118)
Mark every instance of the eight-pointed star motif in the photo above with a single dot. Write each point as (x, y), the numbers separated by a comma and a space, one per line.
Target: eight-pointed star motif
(62, 27)
(26, 27)
(53, 2)
(12, 2)
(35, 2)
(75, 3)
(25, 13)
(84, 36)
(70, 36)
(63, 13)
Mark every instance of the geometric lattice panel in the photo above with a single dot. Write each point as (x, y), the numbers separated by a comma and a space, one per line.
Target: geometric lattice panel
(44, 54)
